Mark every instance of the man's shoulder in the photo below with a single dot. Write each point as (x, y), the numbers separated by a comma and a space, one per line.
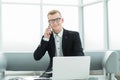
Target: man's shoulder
(70, 31)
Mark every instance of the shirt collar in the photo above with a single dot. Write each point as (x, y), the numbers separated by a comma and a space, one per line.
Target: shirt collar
(59, 34)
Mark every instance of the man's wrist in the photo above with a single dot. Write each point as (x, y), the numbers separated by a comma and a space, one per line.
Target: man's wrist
(45, 39)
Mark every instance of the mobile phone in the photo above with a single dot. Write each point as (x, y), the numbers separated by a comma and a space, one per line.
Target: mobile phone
(50, 28)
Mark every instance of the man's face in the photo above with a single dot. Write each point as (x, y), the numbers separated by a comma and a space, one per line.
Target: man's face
(55, 22)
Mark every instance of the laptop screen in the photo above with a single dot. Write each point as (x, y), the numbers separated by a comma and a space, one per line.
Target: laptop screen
(76, 67)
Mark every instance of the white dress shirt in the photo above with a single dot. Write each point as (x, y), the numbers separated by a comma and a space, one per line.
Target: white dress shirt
(58, 43)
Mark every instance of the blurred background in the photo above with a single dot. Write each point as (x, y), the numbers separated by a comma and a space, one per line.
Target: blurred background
(22, 23)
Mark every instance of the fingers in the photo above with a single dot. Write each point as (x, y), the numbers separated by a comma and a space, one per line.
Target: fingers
(47, 32)
(49, 29)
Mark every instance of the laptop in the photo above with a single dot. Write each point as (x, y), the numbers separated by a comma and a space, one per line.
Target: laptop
(70, 68)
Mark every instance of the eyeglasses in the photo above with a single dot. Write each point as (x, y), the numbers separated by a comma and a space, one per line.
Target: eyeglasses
(51, 21)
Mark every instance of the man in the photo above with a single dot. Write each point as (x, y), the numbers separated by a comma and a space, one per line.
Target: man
(58, 41)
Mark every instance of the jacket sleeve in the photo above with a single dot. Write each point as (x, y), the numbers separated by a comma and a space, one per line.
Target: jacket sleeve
(77, 47)
(41, 49)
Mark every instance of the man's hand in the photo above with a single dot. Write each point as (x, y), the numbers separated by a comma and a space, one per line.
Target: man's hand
(47, 32)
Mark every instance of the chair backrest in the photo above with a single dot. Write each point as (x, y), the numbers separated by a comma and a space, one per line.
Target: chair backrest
(111, 62)
(3, 62)
(17, 61)
(96, 59)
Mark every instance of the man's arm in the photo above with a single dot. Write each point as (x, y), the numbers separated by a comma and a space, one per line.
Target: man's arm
(77, 45)
(41, 49)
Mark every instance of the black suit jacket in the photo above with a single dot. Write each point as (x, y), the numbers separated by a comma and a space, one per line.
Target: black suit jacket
(71, 46)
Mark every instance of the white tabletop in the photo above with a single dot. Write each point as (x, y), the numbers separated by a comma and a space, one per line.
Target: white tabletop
(92, 77)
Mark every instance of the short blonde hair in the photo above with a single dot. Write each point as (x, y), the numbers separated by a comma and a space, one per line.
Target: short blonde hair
(52, 12)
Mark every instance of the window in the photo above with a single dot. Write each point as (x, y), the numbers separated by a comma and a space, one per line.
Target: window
(114, 24)
(20, 27)
(93, 27)
(70, 16)
(22, 1)
(24, 21)
(75, 2)
(90, 1)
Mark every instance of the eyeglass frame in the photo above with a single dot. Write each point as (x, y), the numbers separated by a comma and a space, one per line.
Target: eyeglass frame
(51, 21)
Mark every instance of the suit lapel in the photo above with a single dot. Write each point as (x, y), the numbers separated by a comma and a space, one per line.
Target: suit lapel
(52, 43)
(64, 39)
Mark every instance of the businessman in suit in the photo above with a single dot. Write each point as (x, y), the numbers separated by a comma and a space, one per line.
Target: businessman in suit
(58, 41)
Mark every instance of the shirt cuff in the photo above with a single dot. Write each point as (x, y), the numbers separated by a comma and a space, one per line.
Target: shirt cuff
(45, 39)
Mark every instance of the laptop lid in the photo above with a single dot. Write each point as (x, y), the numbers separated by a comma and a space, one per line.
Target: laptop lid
(77, 67)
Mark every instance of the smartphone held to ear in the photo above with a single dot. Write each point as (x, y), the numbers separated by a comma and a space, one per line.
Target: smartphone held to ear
(50, 29)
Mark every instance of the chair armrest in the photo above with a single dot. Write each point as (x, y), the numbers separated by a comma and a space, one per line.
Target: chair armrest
(3, 62)
(111, 62)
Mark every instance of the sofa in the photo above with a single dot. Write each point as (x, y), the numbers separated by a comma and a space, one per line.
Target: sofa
(108, 61)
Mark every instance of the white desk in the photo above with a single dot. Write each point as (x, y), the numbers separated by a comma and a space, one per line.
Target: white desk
(92, 77)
